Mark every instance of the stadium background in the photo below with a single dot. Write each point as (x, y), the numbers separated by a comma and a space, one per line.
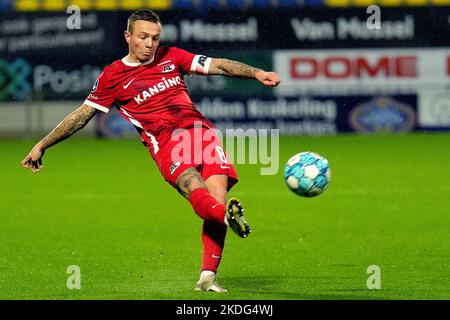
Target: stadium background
(340, 79)
(393, 79)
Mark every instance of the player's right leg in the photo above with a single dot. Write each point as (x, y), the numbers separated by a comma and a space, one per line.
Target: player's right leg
(191, 185)
(235, 218)
(234, 212)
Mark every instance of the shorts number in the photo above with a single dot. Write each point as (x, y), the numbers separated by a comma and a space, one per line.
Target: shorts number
(221, 153)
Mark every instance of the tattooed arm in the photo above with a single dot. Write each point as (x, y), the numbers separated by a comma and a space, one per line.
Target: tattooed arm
(241, 70)
(71, 124)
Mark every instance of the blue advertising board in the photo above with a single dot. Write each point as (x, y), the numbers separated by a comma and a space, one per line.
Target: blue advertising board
(295, 115)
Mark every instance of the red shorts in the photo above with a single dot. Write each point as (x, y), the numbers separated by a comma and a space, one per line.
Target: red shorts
(198, 148)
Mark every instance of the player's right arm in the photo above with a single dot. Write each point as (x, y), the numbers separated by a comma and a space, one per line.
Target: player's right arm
(75, 121)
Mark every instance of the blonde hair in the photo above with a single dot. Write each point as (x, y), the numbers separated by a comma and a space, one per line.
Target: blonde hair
(144, 14)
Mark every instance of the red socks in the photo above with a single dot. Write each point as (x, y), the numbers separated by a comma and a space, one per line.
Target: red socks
(213, 238)
(214, 227)
(207, 207)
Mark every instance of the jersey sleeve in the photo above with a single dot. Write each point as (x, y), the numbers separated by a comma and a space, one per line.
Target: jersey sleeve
(102, 94)
(192, 63)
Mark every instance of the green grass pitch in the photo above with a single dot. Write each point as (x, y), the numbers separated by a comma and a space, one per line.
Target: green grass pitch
(103, 206)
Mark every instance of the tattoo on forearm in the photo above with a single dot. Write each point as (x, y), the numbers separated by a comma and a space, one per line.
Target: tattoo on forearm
(237, 69)
(71, 124)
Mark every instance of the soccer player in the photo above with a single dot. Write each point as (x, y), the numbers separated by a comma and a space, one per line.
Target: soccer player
(148, 89)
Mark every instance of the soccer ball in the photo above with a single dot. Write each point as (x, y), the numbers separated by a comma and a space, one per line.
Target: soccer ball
(307, 174)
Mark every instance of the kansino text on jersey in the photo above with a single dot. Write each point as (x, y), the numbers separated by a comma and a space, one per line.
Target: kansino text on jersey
(160, 86)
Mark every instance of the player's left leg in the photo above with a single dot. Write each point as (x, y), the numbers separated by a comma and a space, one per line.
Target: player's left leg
(213, 238)
(213, 233)
(211, 208)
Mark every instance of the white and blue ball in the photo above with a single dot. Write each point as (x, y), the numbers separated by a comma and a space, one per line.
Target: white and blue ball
(307, 174)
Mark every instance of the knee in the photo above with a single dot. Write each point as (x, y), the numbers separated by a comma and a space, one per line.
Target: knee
(219, 193)
(190, 180)
(217, 187)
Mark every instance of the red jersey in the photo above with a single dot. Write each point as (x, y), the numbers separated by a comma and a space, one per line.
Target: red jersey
(152, 95)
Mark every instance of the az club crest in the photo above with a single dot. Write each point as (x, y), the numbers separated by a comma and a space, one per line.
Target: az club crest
(168, 68)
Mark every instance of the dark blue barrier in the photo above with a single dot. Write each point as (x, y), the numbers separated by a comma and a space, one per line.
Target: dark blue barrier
(295, 116)
(101, 33)
(6, 5)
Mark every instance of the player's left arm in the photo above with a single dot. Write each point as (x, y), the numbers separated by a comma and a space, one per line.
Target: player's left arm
(241, 70)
